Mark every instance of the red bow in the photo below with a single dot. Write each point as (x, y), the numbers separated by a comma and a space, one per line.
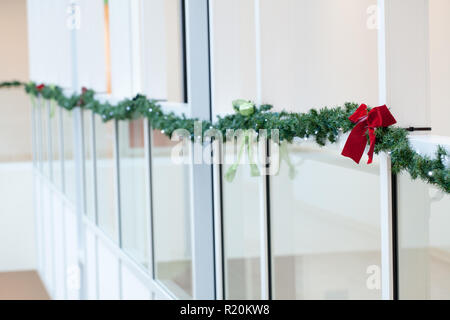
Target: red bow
(40, 87)
(81, 100)
(366, 121)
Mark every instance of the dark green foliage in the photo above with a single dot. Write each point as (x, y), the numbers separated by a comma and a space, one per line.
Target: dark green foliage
(10, 84)
(324, 125)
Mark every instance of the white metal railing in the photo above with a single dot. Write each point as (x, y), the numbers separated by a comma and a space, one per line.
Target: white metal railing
(316, 235)
(320, 216)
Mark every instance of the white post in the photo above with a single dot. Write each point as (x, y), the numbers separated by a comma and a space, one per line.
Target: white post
(387, 271)
(404, 85)
(198, 81)
(263, 185)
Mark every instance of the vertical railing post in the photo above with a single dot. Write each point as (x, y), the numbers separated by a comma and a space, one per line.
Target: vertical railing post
(79, 158)
(199, 96)
(35, 181)
(386, 226)
(264, 186)
(118, 212)
(79, 205)
(60, 133)
(48, 115)
(49, 141)
(387, 289)
(39, 134)
(218, 224)
(148, 181)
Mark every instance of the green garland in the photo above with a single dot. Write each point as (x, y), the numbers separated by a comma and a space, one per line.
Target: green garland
(324, 125)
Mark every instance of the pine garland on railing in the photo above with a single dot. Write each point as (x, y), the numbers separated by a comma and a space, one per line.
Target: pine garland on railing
(324, 125)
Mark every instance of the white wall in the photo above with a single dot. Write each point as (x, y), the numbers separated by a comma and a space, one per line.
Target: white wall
(15, 122)
(440, 66)
(317, 53)
(91, 63)
(17, 245)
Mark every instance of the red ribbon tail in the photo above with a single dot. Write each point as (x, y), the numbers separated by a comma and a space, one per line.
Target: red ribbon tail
(356, 143)
(372, 139)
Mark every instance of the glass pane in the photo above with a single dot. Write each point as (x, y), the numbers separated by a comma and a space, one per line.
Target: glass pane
(107, 47)
(325, 226)
(69, 156)
(89, 163)
(106, 184)
(241, 225)
(171, 185)
(55, 126)
(164, 50)
(306, 47)
(37, 135)
(424, 240)
(44, 109)
(234, 51)
(134, 193)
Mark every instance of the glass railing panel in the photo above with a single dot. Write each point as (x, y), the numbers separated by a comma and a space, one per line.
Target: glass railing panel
(171, 194)
(424, 240)
(55, 133)
(241, 231)
(164, 64)
(325, 220)
(88, 140)
(44, 110)
(37, 135)
(106, 184)
(134, 191)
(69, 156)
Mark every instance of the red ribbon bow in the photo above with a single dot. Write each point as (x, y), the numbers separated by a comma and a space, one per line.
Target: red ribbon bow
(83, 92)
(40, 87)
(366, 121)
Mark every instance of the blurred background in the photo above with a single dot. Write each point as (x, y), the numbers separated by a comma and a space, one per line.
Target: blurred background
(17, 234)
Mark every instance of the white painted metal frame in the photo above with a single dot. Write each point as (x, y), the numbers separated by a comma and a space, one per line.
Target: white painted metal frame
(386, 218)
(197, 78)
(206, 199)
(199, 99)
(219, 268)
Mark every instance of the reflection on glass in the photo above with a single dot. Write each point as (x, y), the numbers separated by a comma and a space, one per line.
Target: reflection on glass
(424, 240)
(325, 226)
(89, 164)
(134, 193)
(171, 217)
(164, 62)
(241, 221)
(55, 126)
(106, 184)
(69, 156)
